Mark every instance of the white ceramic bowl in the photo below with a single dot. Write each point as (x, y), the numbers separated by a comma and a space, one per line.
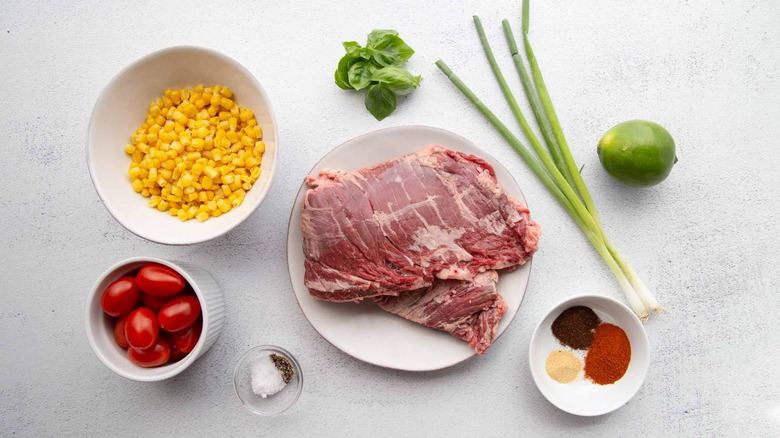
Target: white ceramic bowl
(100, 327)
(583, 397)
(121, 109)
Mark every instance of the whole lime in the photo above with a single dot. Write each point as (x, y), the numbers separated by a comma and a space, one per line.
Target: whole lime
(637, 152)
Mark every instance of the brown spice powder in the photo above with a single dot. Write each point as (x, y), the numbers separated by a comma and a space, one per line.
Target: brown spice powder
(574, 327)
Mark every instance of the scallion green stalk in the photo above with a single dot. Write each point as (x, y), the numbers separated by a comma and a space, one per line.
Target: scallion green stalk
(536, 105)
(510, 98)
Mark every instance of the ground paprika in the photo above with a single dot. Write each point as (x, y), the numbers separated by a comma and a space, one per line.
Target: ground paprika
(609, 354)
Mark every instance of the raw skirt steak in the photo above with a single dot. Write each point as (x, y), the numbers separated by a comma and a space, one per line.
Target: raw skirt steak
(469, 310)
(401, 224)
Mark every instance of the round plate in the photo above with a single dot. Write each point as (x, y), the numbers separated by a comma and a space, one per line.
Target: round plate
(363, 330)
(583, 397)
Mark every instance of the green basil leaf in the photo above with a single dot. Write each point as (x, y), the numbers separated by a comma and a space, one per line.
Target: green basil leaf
(355, 51)
(343, 84)
(359, 75)
(398, 80)
(380, 101)
(342, 72)
(378, 34)
(353, 48)
(391, 50)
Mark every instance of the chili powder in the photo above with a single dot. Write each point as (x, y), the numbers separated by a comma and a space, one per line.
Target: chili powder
(607, 359)
(574, 327)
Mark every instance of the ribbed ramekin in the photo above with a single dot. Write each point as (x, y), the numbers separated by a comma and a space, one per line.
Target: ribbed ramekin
(100, 330)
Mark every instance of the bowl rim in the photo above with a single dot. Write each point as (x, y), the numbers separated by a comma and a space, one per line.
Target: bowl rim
(146, 58)
(177, 367)
(569, 301)
(278, 349)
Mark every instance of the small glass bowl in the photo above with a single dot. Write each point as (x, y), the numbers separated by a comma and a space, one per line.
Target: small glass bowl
(273, 404)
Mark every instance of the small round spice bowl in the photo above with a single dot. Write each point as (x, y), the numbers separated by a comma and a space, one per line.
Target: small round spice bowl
(268, 380)
(558, 360)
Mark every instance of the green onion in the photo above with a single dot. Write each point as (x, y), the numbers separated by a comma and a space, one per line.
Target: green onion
(557, 170)
(544, 96)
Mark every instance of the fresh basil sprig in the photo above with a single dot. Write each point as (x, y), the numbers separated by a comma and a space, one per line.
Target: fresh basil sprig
(378, 67)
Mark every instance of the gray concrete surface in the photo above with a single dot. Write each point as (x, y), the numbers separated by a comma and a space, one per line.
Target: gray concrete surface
(706, 240)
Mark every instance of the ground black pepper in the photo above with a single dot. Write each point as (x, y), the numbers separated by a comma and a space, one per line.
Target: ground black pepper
(284, 366)
(574, 327)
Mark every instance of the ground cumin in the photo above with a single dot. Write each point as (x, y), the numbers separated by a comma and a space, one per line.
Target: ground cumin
(574, 327)
(609, 354)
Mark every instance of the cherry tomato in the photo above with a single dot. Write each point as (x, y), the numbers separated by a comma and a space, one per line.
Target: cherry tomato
(120, 297)
(154, 302)
(158, 354)
(186, 339)
(142, 329)
(176, 353)
(119, 333)
(160, 280)
(179, 313)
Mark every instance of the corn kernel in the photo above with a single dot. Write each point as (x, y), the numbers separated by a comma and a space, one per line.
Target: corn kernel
(206, 182)
(226, 103)
(186, 179)
(210, 172)
(223, 205)
(137, 185)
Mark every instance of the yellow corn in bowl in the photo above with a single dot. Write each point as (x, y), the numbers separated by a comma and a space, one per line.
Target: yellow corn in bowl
(182, 145)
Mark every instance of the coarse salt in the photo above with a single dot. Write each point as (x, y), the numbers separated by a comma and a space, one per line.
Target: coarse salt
(266, 377)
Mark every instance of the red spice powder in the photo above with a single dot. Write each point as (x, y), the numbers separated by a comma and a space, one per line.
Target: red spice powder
(609, 354)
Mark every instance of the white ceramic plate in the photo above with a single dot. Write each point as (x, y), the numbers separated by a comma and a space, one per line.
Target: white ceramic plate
(363, 330)
(582, 397)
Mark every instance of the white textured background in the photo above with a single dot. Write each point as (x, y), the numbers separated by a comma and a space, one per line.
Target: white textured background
(706, 239)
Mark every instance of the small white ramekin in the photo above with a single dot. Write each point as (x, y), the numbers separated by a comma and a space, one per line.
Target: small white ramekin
(100, 328)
